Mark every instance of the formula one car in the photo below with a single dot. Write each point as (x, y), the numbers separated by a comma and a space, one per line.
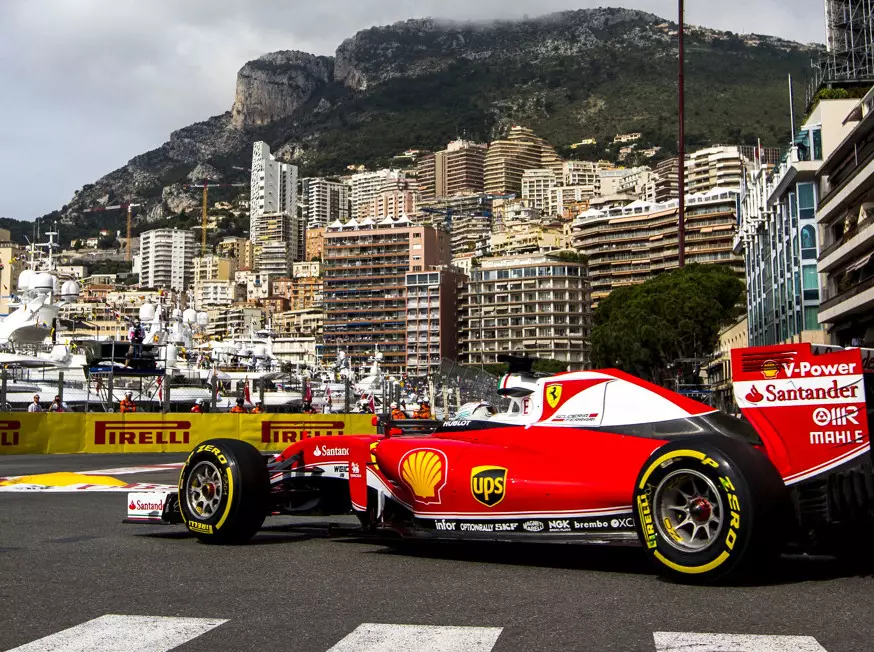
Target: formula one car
(591, 456)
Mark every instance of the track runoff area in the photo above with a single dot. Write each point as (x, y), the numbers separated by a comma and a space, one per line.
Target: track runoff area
(73, 577)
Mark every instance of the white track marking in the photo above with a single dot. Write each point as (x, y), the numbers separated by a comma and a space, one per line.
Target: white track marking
(694, 642)
(371, 637)
(113, 633)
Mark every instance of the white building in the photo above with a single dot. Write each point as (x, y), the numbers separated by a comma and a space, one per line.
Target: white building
(166, 259)
(274, 187)
(365, 186)
(581, 173)
(324, 200)
(536, 187)
(213, 294)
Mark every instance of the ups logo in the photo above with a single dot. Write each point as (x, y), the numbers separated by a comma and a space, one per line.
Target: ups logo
(488, 484)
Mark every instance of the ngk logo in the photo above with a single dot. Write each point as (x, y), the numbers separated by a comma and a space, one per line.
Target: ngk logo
(838, 416)
(288, 432)
(10, 433)
(141, 432)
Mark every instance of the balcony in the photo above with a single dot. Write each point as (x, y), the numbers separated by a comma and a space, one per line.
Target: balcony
(859, 298)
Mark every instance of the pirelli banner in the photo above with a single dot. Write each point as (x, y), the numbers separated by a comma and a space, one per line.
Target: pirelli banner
(165, 433)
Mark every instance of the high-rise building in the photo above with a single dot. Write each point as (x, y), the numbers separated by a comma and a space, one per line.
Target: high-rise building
(629, 244)
(315, 244)
(508, 158)
(166, 259)
(713, 167)
(364, 279)
(274, 187)
(396, 198)
(778, 233)
(365, 186)
(464, 162)
(279, 243)
(581, 173)
(239, 249)
(324, 200)
(537, 185)
(667, 179)
(213, 268)
(432, 318)
(533, 304)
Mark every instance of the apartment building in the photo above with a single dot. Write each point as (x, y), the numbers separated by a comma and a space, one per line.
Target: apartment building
(279, 242)
(527, 238)
(364, 280)
(365, 186)
(713, 167)
(324, 200)
(12, 255)
(239, 249)
(465, 162)
(166, 259)
(778, 234)
(213, 268)
(507, 159)
(629, 244)
(667, 180)
(432, 318)
(533, 304)
(236, 321)
(845, 218)
(315, 244)
(537, 187)
(396, 198)
(273, 188)
(215, 293)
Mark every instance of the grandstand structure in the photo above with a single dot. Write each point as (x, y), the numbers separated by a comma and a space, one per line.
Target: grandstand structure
(849, 56)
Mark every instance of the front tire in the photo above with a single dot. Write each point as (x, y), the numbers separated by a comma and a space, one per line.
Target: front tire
(710, 509)
(223, 491)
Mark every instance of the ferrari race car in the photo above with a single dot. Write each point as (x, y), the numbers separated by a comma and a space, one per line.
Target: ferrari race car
(590, 456)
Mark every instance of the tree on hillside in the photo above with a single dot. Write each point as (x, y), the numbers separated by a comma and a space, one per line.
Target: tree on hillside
(644, 329)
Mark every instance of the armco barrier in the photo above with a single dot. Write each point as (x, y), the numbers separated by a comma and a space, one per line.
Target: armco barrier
(165, 433)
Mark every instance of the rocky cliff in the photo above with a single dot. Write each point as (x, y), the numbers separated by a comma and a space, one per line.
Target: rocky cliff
(419, 83)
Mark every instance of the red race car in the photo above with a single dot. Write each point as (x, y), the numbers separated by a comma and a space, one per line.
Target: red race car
(593, 456)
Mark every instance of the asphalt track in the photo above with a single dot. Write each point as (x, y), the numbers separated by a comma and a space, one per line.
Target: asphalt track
(305, 584)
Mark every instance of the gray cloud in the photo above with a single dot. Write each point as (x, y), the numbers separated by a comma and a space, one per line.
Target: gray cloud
(87, 84)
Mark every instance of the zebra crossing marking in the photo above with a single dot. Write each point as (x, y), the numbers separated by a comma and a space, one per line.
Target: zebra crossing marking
(695, 642)
(115, 633)
(373, 637)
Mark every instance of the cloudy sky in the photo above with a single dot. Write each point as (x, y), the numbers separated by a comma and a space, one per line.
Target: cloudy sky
(88, 84)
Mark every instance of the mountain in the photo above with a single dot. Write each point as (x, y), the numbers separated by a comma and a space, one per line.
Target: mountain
(420, 83)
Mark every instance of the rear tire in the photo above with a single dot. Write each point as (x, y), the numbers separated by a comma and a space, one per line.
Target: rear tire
(710, 509)
(223, 491)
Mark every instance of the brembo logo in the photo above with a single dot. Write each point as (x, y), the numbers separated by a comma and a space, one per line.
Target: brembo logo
(142, 432)
(10, 433)
(288, 432)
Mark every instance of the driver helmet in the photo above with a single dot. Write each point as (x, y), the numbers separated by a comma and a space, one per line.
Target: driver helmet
(129, 394)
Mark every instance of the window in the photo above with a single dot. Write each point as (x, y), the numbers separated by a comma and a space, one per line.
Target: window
(811, 318)
(808, 242)
(811, 283)
(817, 143)
(806, 201)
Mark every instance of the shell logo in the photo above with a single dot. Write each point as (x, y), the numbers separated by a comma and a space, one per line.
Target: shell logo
(770, 369)
(424, 471)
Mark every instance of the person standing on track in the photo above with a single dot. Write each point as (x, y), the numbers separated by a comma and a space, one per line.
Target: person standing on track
(35, 406)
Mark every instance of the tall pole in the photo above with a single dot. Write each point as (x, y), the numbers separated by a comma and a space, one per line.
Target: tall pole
(681, 154)
(791, 113)
(129, 209)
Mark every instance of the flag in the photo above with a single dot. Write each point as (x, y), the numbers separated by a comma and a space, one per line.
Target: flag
(328, 395)
(160, 383)
(246, 394)
(372, 405)
(308, 393)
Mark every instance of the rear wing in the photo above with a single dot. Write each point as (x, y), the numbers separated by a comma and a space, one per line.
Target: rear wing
(807, 404)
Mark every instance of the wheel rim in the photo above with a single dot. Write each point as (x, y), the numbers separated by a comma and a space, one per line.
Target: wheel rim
(205, 490)
(688, 510)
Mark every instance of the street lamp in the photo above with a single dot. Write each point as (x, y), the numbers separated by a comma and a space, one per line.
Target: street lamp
(681, 154)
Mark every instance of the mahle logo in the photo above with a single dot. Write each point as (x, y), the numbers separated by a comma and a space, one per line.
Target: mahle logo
(488, 484)
(553, 395)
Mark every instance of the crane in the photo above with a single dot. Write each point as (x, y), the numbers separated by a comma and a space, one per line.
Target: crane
(129, 207)
(206, 185)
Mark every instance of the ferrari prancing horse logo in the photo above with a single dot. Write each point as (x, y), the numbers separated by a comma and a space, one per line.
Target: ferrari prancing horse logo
(553, 395)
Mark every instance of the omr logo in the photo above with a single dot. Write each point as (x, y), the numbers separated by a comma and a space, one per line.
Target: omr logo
(288, 432)
(141, 432)
(10, 433)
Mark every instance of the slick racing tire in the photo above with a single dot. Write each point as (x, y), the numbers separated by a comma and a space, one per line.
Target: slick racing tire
(223, 491)
(710, 509)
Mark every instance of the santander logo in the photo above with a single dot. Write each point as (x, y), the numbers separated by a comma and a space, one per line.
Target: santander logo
(754, 395)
